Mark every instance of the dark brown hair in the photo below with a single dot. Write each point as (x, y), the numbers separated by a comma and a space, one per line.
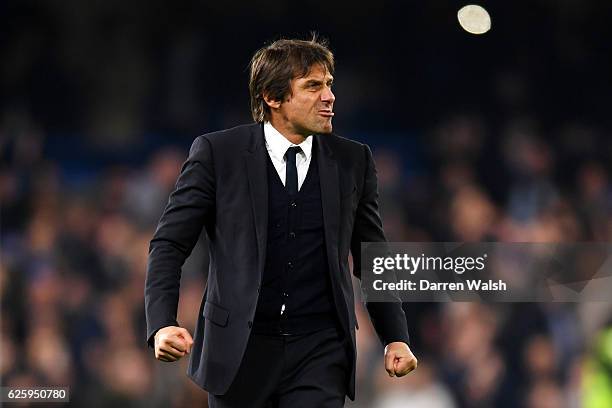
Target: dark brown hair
(274, 66)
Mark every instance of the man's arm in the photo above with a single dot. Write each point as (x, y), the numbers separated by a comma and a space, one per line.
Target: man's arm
(388, 318)
(189, 207)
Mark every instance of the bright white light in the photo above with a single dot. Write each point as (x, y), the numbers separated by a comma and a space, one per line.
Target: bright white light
(474, 19)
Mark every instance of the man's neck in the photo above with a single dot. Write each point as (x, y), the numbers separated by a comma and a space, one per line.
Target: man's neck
(290, 135)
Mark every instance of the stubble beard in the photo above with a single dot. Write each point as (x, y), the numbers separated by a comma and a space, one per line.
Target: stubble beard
(325, 127)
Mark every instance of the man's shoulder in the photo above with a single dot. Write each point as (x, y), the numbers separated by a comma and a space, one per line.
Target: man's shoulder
(336, 138)
(230, 140)
(342, 145)
(231, 135)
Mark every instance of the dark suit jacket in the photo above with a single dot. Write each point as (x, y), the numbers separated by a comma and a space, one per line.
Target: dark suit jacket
(223, 188)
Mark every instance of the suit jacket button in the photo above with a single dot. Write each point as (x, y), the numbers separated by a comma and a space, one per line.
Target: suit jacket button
(250, 324)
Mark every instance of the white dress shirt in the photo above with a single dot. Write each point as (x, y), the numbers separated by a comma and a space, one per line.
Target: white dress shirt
(277, 146)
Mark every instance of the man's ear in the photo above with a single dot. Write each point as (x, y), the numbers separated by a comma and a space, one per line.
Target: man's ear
(272, 103)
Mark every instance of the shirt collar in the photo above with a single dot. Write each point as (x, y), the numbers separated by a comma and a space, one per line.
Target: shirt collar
(277, 144)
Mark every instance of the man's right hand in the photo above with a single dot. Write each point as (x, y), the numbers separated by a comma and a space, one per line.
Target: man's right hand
(172, 343)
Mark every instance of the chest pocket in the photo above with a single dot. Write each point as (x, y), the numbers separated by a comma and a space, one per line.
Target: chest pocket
(348, 191)
(348, 199)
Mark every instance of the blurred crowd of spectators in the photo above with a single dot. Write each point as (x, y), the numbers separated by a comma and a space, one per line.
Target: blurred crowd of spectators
(74, 258)
(504, 137)
(516, 186)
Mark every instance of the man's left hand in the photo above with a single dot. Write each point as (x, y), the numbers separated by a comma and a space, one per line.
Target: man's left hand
(399, 360)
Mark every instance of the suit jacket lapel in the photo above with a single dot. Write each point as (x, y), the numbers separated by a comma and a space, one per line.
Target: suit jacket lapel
(256, 168)
(330, 197)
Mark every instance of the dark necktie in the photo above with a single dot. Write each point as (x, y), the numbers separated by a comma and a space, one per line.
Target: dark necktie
(291, 180)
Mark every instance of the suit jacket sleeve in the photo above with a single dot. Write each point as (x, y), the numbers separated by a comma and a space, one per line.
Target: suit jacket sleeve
(190, 205)
(388, 318)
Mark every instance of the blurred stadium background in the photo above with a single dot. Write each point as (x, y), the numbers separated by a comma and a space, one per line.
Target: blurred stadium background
(499, 137)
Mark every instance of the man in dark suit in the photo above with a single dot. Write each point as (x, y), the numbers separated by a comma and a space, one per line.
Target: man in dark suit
(283, 201)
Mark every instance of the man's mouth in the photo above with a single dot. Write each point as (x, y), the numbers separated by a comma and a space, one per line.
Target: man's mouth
(326, 112)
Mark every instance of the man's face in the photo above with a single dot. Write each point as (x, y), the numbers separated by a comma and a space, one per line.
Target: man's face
(309, 108)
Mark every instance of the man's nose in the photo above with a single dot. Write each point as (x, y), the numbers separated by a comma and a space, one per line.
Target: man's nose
(327, 95)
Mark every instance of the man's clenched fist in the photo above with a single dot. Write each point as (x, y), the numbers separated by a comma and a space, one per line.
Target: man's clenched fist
(172, 343)
(399, 360)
